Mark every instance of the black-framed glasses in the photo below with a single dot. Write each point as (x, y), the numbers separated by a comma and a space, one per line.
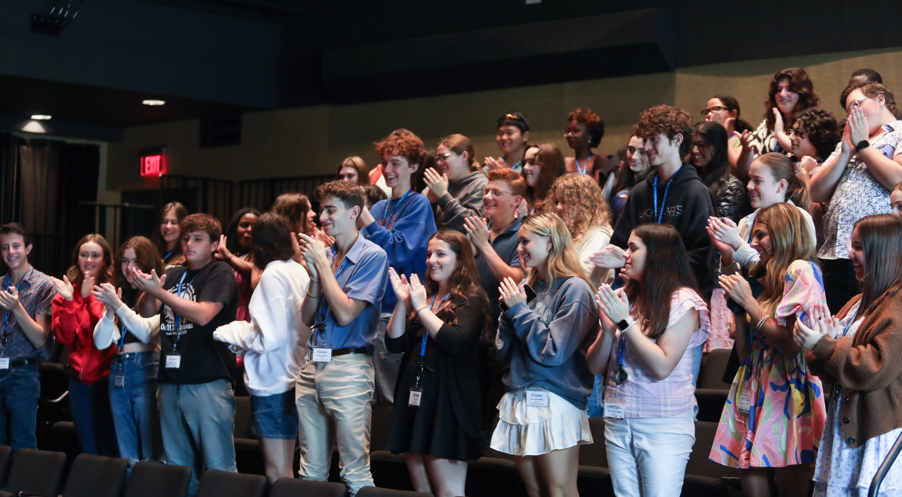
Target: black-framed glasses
(442, 157)
(700, 145)
(494, 192)
(716, 108)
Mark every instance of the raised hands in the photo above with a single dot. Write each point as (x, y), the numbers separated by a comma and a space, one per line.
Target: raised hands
(400, 285)
(438, 184)
(724, 231)
(109, 295)
(150, 284)
(511, 294)
(820, 324)
(314, 252)
(478, 231)
(737, 288)
(492, 163)
(417, 292)
(63, 287)
(613, 303)
(858, 127)
(610, 257)
(9, 299)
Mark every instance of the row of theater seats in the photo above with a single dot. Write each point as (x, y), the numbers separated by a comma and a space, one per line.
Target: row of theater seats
(42, 473)
(495, 473)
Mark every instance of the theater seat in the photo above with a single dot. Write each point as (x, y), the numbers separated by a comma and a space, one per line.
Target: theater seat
(290, 487)
(216, 483)
(703, 476)
(712, 391)
(6, 459)
(390, 470)
(594, 454)
(388, 492)
(594, 481)
(494, 475)
(36, 472)
(151, 479)
(248, 454)
(96, 476)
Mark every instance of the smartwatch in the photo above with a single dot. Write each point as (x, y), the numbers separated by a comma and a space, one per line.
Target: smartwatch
(863, 144)
(624, 324)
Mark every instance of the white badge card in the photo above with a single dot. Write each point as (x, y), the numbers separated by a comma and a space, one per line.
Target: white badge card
(536, 399)
(322, 354)
(614, 411)
(745, 401)
(119, 381)
(173, 361)
(4, 362)
(415, 396)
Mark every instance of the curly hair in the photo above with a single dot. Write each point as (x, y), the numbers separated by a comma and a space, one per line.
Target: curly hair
(350, 195)
(585, 203)
(404, 143)
(871, 89)
(798, 83)
(464, 285)
(821, 128)
(593, 122)
(668, 120)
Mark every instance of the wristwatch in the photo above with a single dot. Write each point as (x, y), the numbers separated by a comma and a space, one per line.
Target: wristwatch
(863, 144)
(623, 325)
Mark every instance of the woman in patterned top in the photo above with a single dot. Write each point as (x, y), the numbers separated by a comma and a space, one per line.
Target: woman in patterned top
(790, 92)
(774, 416)
(647, 350)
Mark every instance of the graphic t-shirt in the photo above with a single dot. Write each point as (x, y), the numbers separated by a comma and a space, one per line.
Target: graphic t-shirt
(202, 359)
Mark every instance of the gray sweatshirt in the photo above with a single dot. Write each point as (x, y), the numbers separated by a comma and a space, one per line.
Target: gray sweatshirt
(546, 341)
(464, 199)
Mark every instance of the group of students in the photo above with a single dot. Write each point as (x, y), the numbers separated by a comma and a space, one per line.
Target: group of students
(502, 305)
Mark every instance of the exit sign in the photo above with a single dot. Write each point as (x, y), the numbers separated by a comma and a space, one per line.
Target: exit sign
(154, 164)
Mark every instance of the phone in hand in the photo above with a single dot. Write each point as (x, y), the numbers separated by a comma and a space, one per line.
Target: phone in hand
(530, 294)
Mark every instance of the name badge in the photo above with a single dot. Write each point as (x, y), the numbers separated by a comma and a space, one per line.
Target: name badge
(536, 399)
(173, 361)
(119, 381)
(322, 354)
(415, 396)
(745, 401)
(4, 362)
(614, 411)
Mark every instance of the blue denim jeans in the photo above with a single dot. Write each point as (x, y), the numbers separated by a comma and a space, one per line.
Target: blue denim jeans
(136, 414)
(20, 389)
(93, 417)
(596, 400)
(197, 423)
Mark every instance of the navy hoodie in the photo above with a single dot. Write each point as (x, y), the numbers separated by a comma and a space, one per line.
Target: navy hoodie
(689, 205)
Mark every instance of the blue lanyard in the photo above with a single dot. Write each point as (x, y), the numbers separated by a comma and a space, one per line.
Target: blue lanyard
(426, 333)
(582, 170)
(166, 257)
(325, 307)
(8, 313)
(386, 221)
(845, 331)
(664, 200)
(125, 330)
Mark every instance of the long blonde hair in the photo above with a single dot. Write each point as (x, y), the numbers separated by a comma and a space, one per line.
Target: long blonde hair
(563, 262)
(790, 241)
(585, 204)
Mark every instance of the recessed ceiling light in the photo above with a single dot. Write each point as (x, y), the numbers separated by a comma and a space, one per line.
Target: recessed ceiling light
(40, 117)
(154, 102)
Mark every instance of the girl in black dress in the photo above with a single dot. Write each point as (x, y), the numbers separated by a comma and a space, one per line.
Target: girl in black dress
(437, 414)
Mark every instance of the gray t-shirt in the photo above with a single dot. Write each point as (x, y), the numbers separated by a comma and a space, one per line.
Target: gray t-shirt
(505, 246)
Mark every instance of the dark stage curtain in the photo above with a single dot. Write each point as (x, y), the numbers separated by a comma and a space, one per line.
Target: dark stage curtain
(41, 182)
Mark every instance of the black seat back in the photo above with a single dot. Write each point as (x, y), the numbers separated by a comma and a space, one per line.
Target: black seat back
(151, 479)
(36, 472)
(6, 458)
(290, 487)
(215, 483)
(96, 476)
(388, 492)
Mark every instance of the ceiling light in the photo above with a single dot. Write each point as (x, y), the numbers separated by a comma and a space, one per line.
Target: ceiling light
(154, 102)
(40, 117)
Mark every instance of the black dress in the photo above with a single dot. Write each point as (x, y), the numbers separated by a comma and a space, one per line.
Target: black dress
(447, 423)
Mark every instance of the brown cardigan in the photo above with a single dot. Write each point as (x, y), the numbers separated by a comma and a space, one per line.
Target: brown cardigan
(869, 367)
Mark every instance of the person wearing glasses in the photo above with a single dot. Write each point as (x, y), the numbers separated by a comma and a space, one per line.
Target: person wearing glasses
(724, 110)
(649, 331)
(584, 131)
(856, 180)
(458, 187)
(512, 137)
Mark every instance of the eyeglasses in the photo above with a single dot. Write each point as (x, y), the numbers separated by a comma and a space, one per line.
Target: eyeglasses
(797, 132)
(700, 145)
(856, 103)
(442, 157)
(572, 131)
(716, 108)
(494, 192)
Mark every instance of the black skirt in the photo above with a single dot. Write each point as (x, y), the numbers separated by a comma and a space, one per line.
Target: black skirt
(432, 428)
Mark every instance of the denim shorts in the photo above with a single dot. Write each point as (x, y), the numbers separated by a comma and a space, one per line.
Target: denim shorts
(275, 416)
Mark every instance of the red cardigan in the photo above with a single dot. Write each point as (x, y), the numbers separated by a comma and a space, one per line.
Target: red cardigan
(73, 325)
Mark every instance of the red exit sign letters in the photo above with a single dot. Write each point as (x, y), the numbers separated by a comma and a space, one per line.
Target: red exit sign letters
(153, 165)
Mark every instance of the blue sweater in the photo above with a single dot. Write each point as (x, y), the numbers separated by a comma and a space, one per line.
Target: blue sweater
(404, 237)
(546, 342)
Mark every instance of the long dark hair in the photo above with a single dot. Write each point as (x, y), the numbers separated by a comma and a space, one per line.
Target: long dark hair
(294, 208)
(717, 172)
(272, 240)
(798, 83)
(666, 271)
(148, 258)
(157, 238)
(730, 102)
(627, 178)
(552, 160)
(232, 233)
(881, 242)
(464, 284)
(106, 274)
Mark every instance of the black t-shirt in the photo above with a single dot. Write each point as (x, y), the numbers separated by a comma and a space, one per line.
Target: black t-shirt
(202, 359)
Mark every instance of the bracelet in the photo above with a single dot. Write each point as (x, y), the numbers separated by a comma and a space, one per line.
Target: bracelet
(765, 318)
(421, 308)
(311, 295)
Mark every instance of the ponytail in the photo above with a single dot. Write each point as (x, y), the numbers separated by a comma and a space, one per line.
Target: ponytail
(782, 168)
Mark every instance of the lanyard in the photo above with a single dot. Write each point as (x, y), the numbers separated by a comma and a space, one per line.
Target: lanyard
(166, 257)
(125, 330)
(321, 327)
(177, 317)
(426, 333)
(845, 331)
(387, 220)
(582, 170)
(8, 313)
(664, 200)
